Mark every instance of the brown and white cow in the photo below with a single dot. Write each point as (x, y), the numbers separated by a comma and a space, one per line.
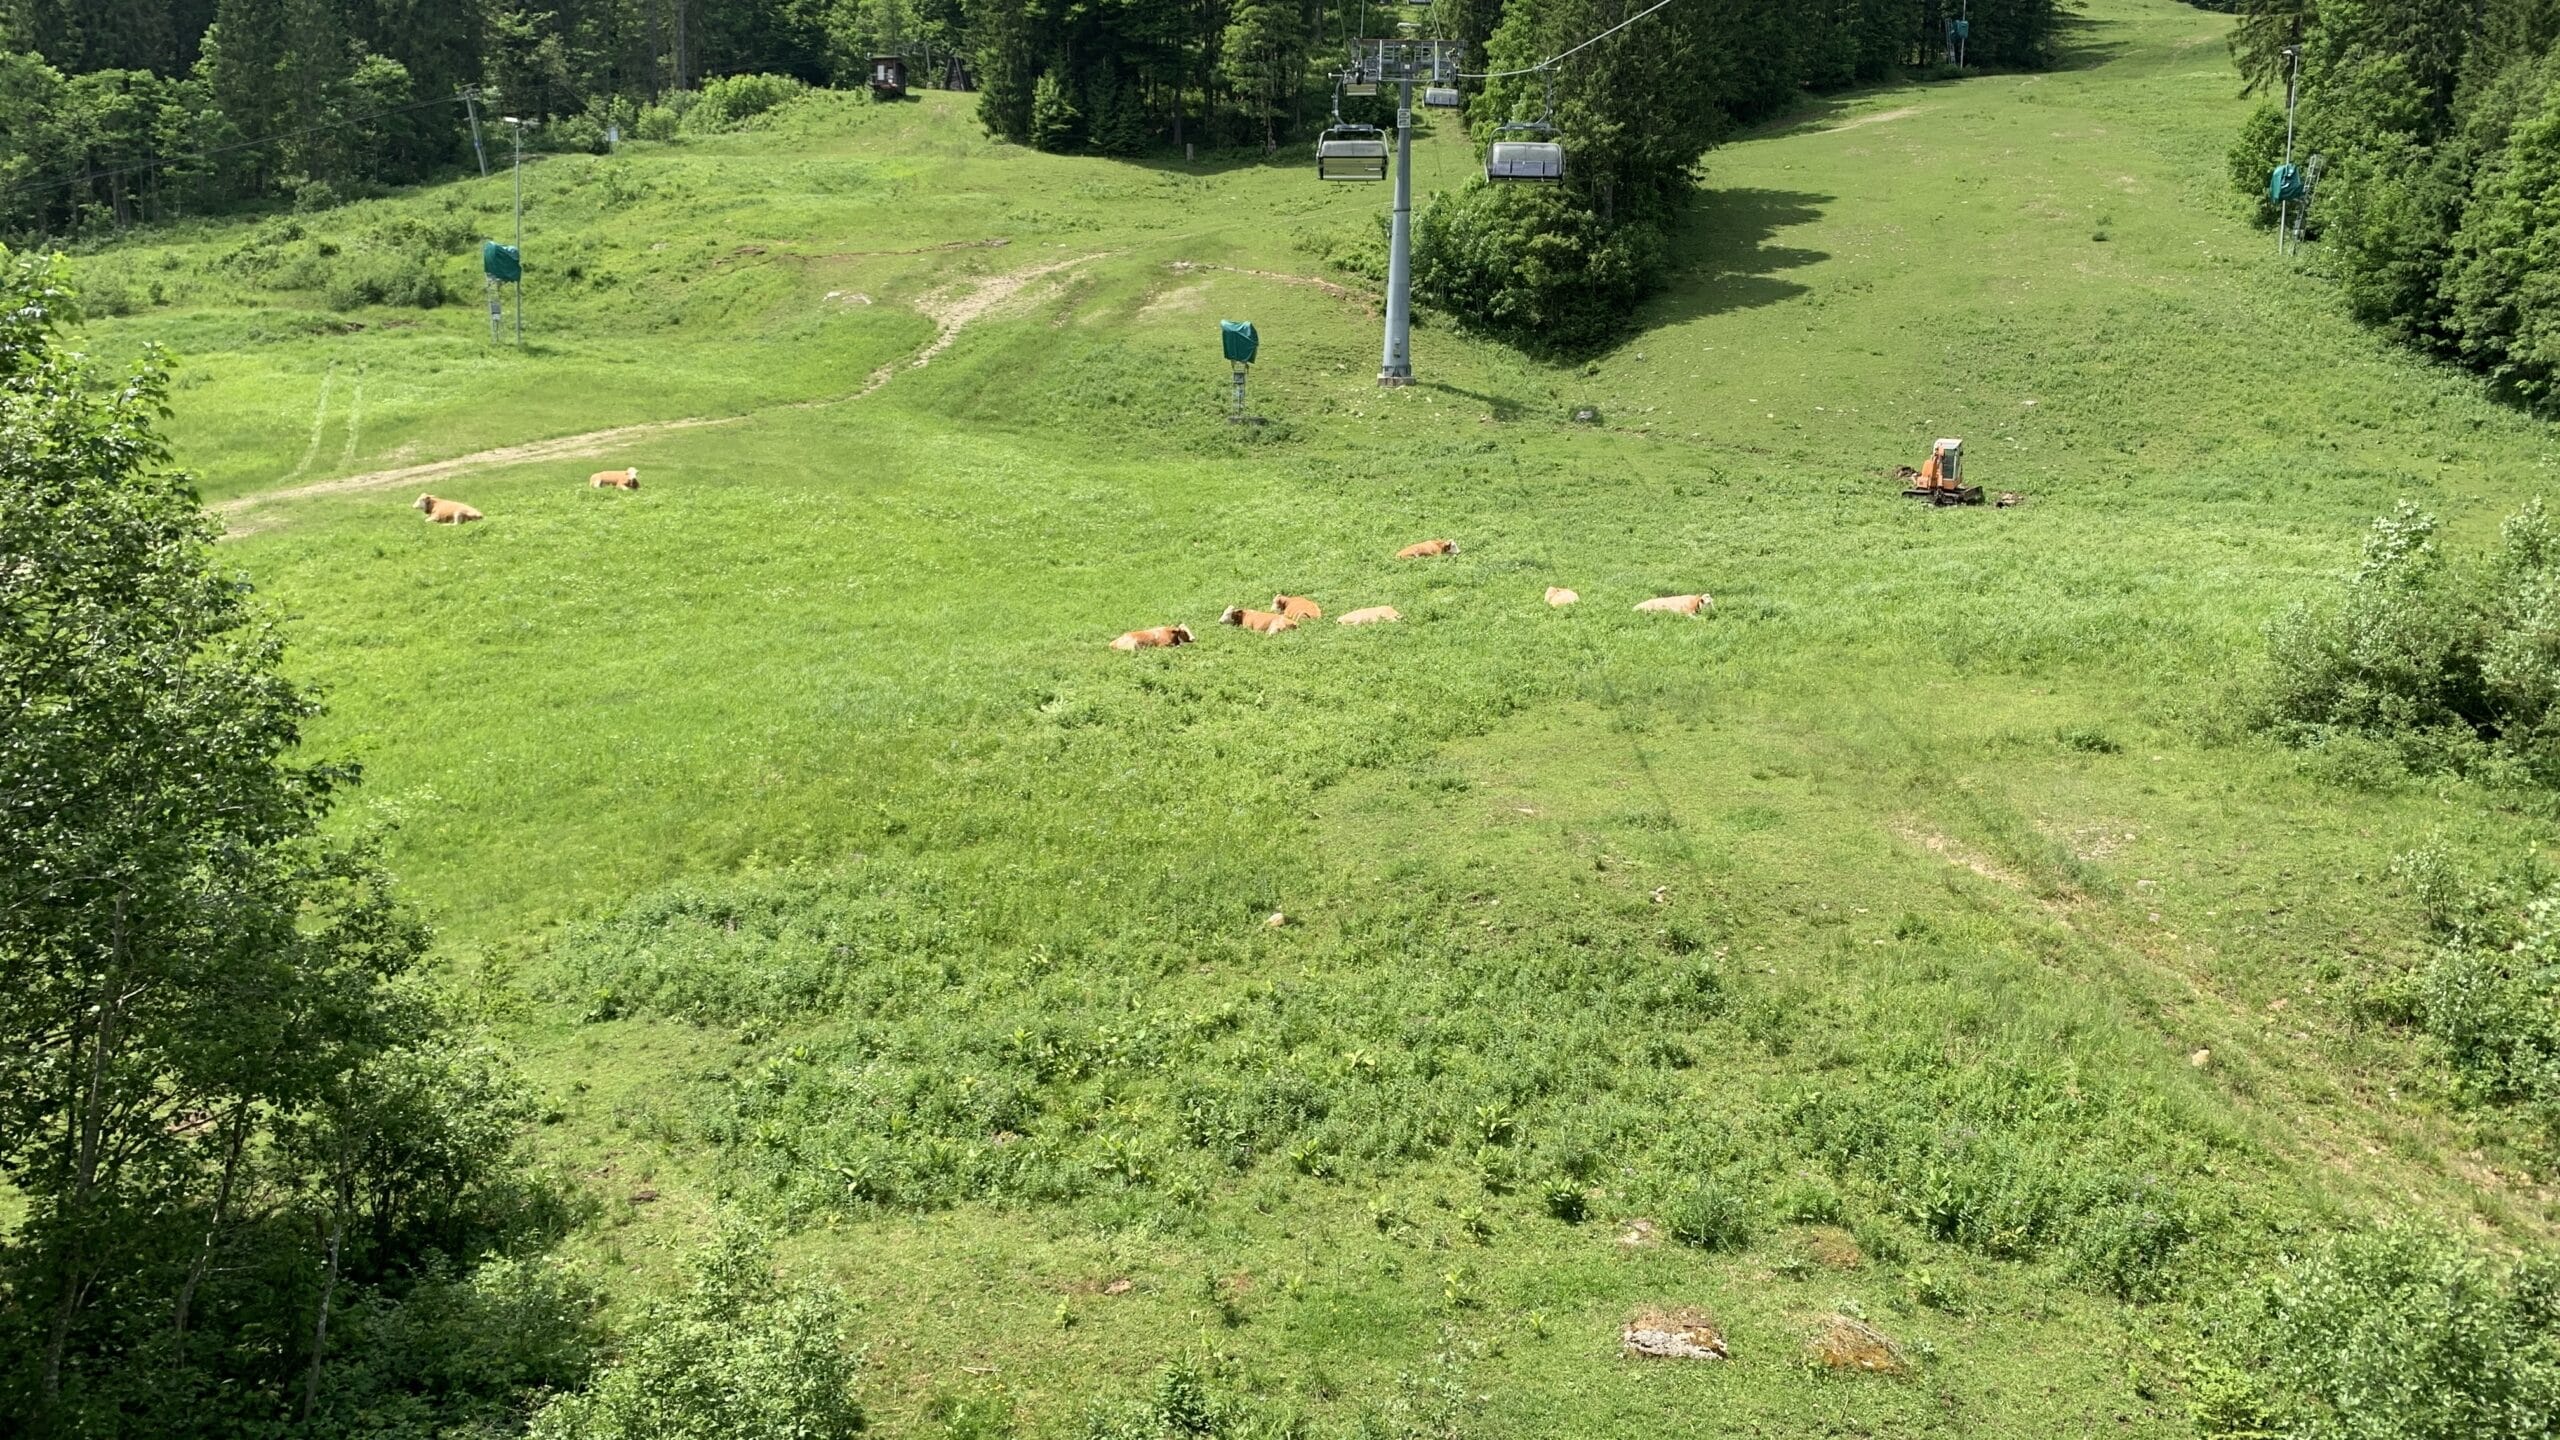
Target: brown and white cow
(1159, 638)
(1262, 622)
(1679, 604)
(446, 512)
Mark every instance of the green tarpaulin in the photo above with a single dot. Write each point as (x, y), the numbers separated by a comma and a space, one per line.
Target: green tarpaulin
(1240, 341)
(501, 262)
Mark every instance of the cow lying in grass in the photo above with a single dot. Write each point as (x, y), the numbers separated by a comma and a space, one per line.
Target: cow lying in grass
(1260, 621)
(616, 479)
(1157, 639)
(446, 512)
(1679, 604)
(1559, 596)
(1428, 548)
(1297, 607)
(1374, 615)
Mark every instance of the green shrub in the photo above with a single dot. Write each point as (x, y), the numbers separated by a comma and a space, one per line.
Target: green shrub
(735, 1355)
(1808, 1200)
(1187, 1404)
(733, 101)
(383, 277)
(1711, 1214)
(2490, 993)
(478, 1343)
(1534, 265)
(2395, 1336)
(2456, 667)
(656, 122)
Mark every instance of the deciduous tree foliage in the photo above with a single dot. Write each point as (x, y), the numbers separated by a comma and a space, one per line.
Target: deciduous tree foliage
(2440, 125)
(239, 1125)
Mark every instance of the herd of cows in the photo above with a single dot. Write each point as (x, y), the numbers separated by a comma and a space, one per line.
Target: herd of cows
(1286, 612)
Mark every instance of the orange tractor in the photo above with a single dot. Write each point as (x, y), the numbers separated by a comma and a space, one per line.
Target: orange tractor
(1941, 481)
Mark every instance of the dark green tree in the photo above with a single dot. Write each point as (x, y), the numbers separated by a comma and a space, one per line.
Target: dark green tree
(228, 1105)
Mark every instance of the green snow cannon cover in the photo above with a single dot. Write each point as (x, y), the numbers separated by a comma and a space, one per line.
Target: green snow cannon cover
(1241, 343)
(501, 262)
(2286, 185)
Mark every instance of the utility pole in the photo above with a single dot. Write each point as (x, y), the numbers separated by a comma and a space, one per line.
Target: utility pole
(1395, 368)
(471, 107)
(517, 125)
(2292, 98)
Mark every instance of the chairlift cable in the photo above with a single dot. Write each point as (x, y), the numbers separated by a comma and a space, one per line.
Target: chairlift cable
(1552, 61)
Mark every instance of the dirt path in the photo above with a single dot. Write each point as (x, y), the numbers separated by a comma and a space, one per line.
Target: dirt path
(1884, 117)
(1339, 292)
(952, 308)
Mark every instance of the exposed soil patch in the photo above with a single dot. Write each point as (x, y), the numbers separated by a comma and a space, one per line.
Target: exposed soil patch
(1881, 117)
(1840, 1343)
(954, 308)
(1683, 1334)
(1957, 854)
(1831, 1247)
(1310, 282)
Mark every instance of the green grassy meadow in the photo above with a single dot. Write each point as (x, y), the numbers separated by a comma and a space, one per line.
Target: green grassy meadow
(795, 821)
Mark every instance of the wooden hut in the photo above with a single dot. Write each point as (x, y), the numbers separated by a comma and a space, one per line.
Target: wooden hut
(888, 76)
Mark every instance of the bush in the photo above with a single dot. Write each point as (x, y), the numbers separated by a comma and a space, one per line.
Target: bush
(736, 1355)
(2452, 667)
(2487, 995)
(1712, 1214)
(657, 122)
(732, 101)
(383, 277)
(2396, 1336)
(1534, 265)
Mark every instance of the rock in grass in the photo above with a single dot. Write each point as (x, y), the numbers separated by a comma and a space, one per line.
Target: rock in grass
(1841, 1343)
(1673, 1335)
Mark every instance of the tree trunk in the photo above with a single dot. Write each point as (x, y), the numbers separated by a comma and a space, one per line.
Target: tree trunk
(234, 1140)
(320, 1325)
(89, 1120)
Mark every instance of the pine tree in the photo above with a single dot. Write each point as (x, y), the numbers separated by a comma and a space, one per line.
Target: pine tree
(1262, 60)
(1056, 123)
(1007, 72)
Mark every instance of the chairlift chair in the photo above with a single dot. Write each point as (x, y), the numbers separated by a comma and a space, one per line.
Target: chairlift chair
(1441, 97)
(1539, 160)
(1528, 150)
(1350, 152)
(1360, 82)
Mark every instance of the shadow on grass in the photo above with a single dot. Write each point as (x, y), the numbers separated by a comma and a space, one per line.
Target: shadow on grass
(2080, 43)
(1501, 407)
(1723, 260)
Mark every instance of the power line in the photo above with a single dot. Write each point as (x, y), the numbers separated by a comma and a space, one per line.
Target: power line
(1554, 60)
